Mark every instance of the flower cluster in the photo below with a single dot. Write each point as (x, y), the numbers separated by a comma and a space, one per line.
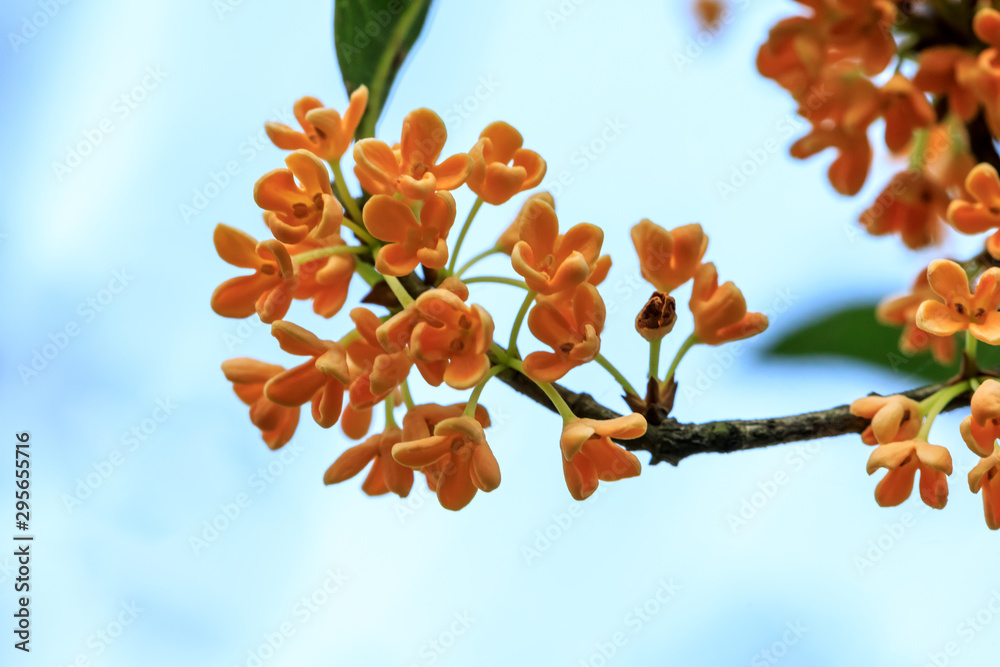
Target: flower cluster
(938, 103)
(899, 426)
(397, 239)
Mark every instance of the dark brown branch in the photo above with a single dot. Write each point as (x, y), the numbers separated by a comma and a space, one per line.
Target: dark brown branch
(673, 441)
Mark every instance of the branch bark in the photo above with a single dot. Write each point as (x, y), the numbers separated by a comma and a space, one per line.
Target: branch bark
(673, 441)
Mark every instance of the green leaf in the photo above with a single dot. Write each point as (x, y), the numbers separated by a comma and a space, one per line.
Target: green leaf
(372, 39)
(854, 333)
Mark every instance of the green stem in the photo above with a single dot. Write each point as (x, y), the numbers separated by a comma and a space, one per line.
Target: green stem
(461, 235)
(483, 255)
(941, 400)
(368, 273)
(970, 349)
(609, 367)
(407, 398)
(470, 407)
(691, 341)
(345, 194)
(360, 232)
(512, 345)
(557, 401)
(390, 420)
(497, 279)
(319, 253)
(397, 288)
(654, 358)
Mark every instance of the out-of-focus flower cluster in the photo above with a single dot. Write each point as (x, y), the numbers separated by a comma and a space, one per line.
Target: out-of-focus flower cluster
(399, 239)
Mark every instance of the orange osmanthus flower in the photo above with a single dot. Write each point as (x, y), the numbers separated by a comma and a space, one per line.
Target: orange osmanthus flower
(985, 477)
(982, 214)
(374, 372)
(355, 422)
(502, 167)
(984, 78)
(571, 324)
(863, 32)
(911, 205)
(893, 418)
(902, 311)
(794, 54)
(548, 261)
(322, 379)
(668, 259)
(720, 311)
(277, 423)
(946, 158)
(325, 133)
(456, 456)
(450, 340)
(945, 70)
(324, 281)
(394, 334)
(905, 109)
(268, 291)
(512, 235)
(962, 310)
(842, 122)
(294, 209)
(410, 242)
(590, 457)
(385, 475)
(981, 429)
(412, 169)
(902, 460)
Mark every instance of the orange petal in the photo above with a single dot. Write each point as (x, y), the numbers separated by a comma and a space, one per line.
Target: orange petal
(351, 462)
(295, 386)
(466, 371)
(936, 318)
(236, 247)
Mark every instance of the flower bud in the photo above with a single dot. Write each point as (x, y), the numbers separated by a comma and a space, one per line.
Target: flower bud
(657, 317)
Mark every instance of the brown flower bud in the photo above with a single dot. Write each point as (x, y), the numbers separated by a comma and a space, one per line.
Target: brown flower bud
(657, 317)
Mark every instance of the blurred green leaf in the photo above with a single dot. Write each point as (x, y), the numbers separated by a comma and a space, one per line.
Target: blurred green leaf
(372, 39)
(854, 333)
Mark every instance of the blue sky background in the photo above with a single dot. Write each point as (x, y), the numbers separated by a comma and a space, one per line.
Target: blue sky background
(413, 584)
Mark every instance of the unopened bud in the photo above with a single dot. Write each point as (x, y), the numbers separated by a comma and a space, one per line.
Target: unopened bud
(657, 317)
